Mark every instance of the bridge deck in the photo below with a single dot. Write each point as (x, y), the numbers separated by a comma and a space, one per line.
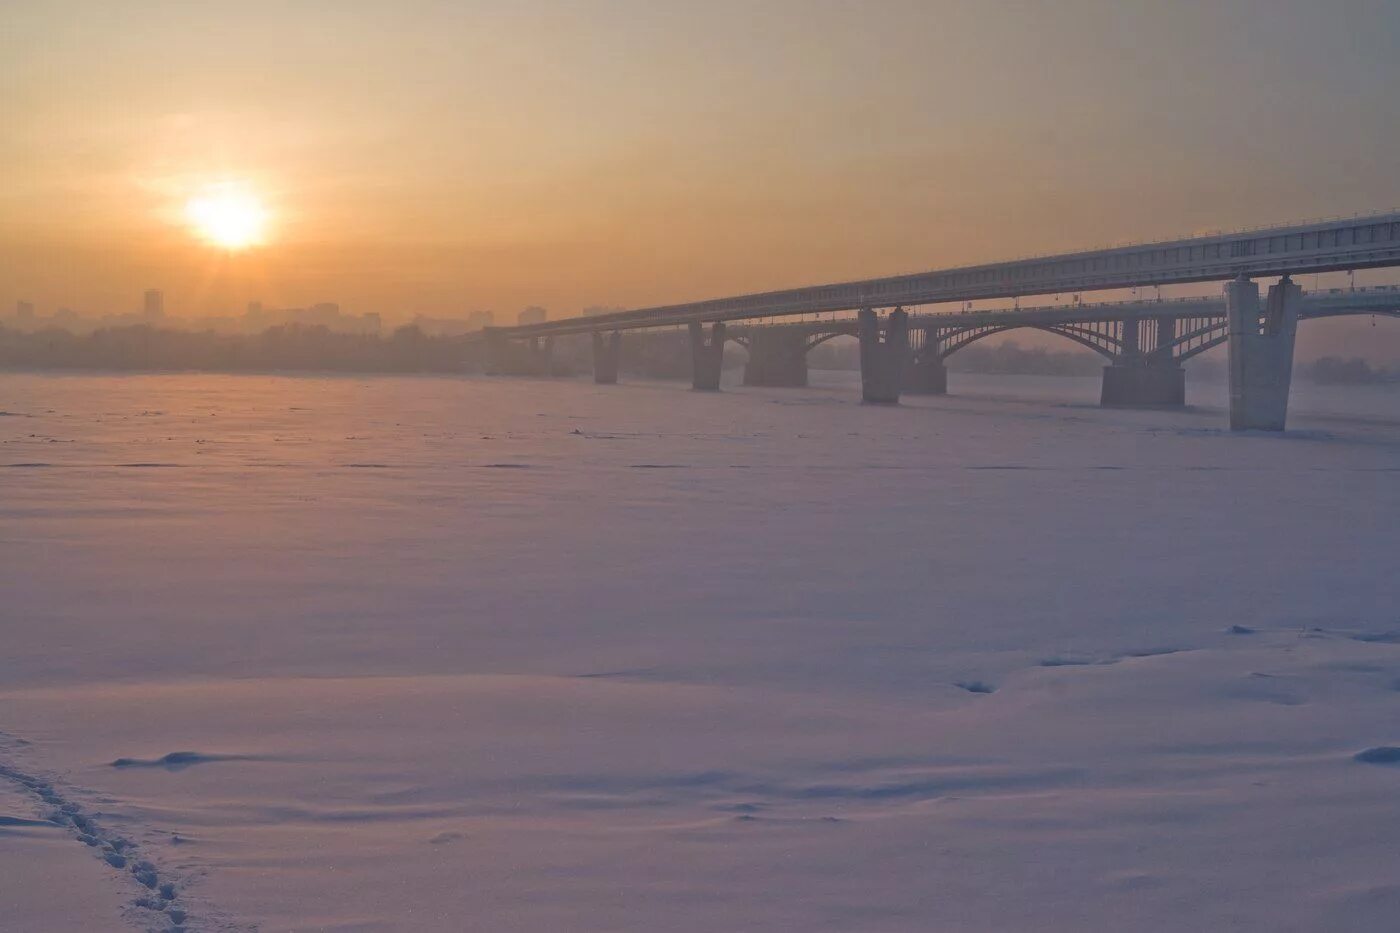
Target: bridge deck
(1357, 243)
(1330, 303)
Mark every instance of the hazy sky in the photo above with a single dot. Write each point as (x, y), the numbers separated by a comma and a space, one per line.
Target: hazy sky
(443, 156)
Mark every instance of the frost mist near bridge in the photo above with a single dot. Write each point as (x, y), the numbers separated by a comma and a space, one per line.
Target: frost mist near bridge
(404, 647)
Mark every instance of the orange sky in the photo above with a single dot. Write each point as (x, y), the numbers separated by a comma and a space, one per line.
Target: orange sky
(435, 157)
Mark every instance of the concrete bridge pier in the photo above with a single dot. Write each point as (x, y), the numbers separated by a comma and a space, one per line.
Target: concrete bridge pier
(496, 349)
(1144, 380)
(926, 375)
(607, 354)
(1143, 383)
(1261, 352)
(776, 358)
(706, 356)
(884, 354)
(539, 356)
(532, 357)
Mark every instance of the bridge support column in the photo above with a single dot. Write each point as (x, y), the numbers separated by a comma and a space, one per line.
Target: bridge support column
(1142, 384)
(1166, 332)
(1131, 340)
(541, 361)
(927, 375)
(1261, 353)
(532, 357)
(607, 354)
(883, 356)
(776, 358)
(706, 356)
(497, 349)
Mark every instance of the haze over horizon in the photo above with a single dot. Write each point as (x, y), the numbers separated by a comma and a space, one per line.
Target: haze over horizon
(435, 158)
(331, 601)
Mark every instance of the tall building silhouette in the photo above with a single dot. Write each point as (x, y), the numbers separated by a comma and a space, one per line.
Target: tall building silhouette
(153, 307)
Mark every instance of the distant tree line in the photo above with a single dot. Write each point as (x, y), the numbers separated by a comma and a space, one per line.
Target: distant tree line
(1007, 358)
(289, 347)
(408, 349)
(1333, 370)
(1010, 358)
(310, 348)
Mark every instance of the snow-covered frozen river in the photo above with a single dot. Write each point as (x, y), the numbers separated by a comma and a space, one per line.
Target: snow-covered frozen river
(520, 655)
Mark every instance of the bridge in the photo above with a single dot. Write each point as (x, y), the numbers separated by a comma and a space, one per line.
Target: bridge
(1144, 342)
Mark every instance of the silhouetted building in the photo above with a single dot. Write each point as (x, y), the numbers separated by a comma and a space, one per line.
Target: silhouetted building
(453, 327)
(153, 305)
(24, 312)
(533, 315)
(325, 314)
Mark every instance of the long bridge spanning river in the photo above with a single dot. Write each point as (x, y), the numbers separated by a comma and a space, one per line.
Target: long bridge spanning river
(1144, 342)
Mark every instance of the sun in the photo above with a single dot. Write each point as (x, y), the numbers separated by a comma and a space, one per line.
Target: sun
(228, 216)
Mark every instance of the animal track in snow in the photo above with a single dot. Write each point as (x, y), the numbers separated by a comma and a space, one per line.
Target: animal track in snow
(159, 901)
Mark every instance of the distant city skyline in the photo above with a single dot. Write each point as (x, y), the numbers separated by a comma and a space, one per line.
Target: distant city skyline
(527, 154)
(1343, 337)
(800, 466)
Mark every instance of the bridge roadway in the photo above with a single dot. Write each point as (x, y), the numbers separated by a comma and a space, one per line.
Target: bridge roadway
(1330, 246)
(1335, 302)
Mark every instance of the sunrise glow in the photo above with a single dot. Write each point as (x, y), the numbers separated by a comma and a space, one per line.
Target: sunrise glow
(228, 216)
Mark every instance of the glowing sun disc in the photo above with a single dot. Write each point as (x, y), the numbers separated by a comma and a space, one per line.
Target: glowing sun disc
(227, 217)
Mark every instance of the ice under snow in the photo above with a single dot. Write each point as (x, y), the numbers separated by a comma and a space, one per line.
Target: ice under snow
(349, 654)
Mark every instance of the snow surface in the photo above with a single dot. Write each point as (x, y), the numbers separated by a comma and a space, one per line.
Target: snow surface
(471, 654)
